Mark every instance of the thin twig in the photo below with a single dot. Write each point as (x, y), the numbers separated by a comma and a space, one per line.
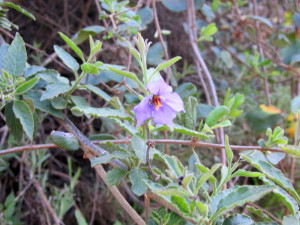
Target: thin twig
(45, 201)
(266, 212)
(261, 52)
(156, 141)
(193, 41)
(160, 37)
(147, 207)
(90, 150)
(148, 163)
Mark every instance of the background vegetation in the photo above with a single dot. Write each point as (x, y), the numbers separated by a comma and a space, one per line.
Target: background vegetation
(235, 65)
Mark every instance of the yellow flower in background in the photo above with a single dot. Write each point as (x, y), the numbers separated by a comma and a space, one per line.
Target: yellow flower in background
(291, 124)
(291, 120)
(270, 109)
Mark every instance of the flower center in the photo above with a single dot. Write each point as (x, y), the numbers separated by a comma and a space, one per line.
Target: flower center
(156, 101)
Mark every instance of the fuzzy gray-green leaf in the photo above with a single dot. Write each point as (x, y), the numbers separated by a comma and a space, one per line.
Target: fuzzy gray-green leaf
(67, 59)
(273, 174)
(238, 196)
(102, 112)
(114, 176)
(64, 140)
(23, 88)
(136, 177)
(16, 57)
(24, 114)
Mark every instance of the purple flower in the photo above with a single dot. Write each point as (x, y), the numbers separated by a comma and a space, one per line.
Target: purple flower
(161, 105)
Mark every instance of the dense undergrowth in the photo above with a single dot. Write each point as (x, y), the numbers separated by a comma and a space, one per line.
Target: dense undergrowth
(91, 131)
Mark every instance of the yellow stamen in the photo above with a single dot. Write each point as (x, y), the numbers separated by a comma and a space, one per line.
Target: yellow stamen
(156, 101)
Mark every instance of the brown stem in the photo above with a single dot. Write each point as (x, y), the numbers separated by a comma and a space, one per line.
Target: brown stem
(261, 52)
(266, 212)
(160, 37)
(208, 77)
(90, 150)
(45, 201)
(156, 141)
(150, 145)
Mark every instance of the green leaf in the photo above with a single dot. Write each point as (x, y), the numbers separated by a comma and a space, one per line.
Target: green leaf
(176, 169)
(16, 57)
(136, 177)
(291, 149)
(98, 92)
(64, 140)
(24, 114)
(129, 75)
(44, 106)
(186, 131)
(227, 59)
(259, 213)
(204, 177)
(181, 204)
(79, 218)
(139, 147)
(54, 90)
(288, 200)
(289, 220)
(186, 90)
(263, 20)
(84, 33)
(273, 174)
(67, 59)
(102, 112)
(190, 117)
(238, 196)
(238, 219)
(23, 88)
(207, 32)
(224, 123)
(18, 8)
(59, 102)
(215, 115)
(245, 173)
(126, 126)
(95, 47)
(107, 157)
(114, 176)
(164, 65)
(72, 45)
(89, 68)
(174, 191)
(228, 151)
(180, 5)
(9, 205)
(12, 122)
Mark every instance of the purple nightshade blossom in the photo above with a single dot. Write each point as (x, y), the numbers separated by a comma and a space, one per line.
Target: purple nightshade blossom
(161, 105)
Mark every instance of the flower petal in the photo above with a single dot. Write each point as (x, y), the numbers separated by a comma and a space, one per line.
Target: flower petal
(174, 101)
(159, 87)
(143, 111)
(164, 115)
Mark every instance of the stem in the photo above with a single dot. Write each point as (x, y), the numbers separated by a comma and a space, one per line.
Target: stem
(77, 81)
(90, 150)
(45, 201)
(261, 52)
(156, 141)
(206, 73)
(150, 144)
(161, 39)
(266, 212)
